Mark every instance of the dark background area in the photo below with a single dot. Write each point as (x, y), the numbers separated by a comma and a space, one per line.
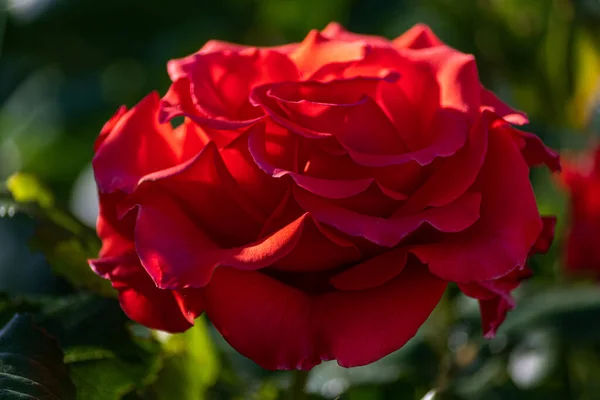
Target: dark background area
(66, 65)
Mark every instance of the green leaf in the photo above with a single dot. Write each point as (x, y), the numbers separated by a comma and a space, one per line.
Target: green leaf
(31, 363)
(190, 365)
(66, 242)
(106, 359)
(26, 188)
(102, 375)
(68, 258)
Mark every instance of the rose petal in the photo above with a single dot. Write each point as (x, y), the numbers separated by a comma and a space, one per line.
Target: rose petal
(143, 302)
(376, 62)
(318, 249)
(453, 217)
(343, 108)
(257, 186)
(335, 31)
(544, 241)
(178, 102)
(192, 138)
(280, 327)
(109, 126)
(177, 253)
(419, 36)
(190, 302)
(374, 272)
(507, 229)
(456, 74)
(329, 188)
(455, 175)
(210, 196)
(493, 313)
(533, 149)
(455, 128)
(410, 123)
(178, 68)
(495, 298)
(221, 82)
(317, 50)
(116, 233)
(138, 145)
(491, 102)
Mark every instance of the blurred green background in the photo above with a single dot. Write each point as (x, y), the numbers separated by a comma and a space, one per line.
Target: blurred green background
(66, 65)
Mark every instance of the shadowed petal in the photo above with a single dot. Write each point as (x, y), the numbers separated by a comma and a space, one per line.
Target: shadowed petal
(372, 273)
(280, 327)
(143, 302)
(454, 217)
(508, 227)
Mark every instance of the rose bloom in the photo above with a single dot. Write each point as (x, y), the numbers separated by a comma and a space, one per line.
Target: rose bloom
(581, 179)
(319, 196)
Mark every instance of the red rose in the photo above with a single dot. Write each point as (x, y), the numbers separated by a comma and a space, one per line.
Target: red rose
(581, 178)
(319, 196)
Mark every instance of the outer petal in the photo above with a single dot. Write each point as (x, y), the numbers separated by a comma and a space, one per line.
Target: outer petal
(178, 254)
(493, 313)
(143, 302)
(179, 67)
(457, 77)
(495, 298)
(116, 233)
(544, 241)
(280, 327)
(109, 126)
(210, 196)
(317, 50)
(374, 62)
(491, 102)
(533, 149)
(136, 146)
(419, 36)
(335, 31)
(508, 227)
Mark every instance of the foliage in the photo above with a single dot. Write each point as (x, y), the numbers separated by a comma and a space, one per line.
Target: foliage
(31, 363)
